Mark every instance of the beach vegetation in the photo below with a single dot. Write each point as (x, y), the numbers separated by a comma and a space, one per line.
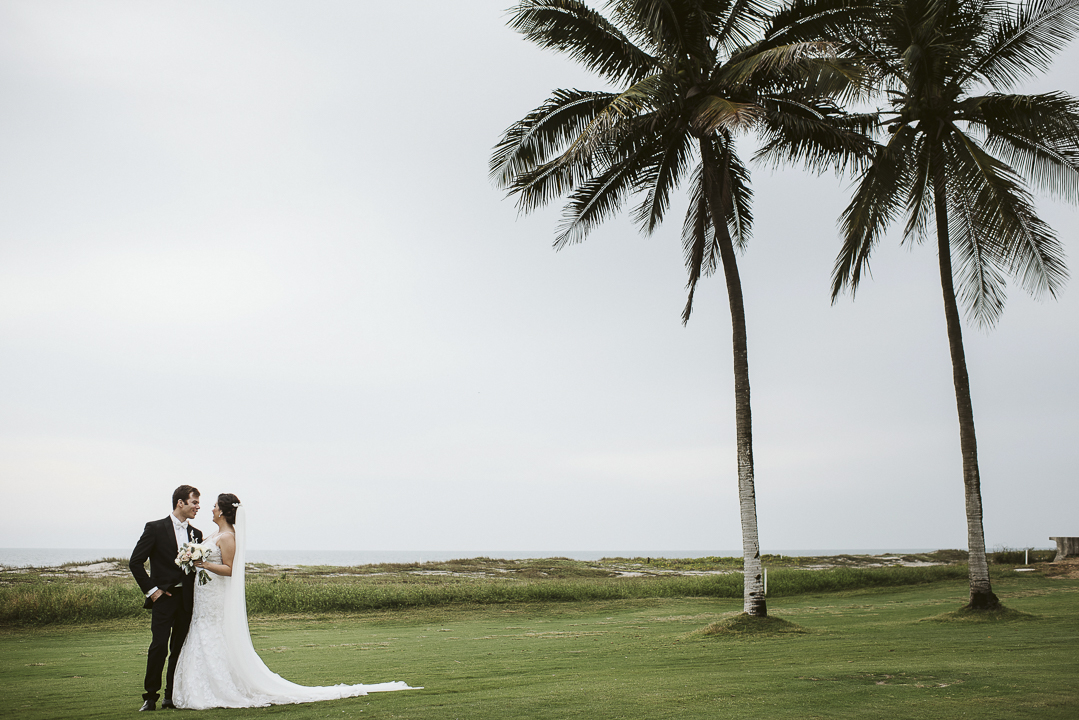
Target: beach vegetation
(47, 596)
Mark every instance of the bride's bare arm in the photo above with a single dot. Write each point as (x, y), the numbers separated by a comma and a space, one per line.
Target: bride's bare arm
(227, 544)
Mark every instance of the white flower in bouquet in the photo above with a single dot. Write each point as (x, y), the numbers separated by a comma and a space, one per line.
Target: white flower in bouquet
(189, 554)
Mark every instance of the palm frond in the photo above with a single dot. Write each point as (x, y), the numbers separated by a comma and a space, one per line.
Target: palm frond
(654, 91)
(745, 22)
(1003, 214)
(850, 25)
(920, 194)
(720, 200)
(544, 132)
(698, 242)
(815, 134)
(658, 23)
(714, 114)
(802, 20)
(884, 70)
(762, 65)
(874, 205)
(845, 81)
(1053, 170)
(975, 263)
(660, 178)
(736, 183)
(572, 27)
(1037, 135)
(1025, 41)
(599, 197)
(544, 183)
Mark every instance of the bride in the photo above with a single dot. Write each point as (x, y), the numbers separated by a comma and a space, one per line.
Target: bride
(218, 665)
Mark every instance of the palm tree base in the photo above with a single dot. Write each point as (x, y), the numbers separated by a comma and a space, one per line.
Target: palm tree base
(983, 600)
(756, 607)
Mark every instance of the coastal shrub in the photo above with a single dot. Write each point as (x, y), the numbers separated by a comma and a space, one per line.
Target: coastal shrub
(40, 601)
(69, 601)
(299, 596)
(1013, 556)
(784, 582)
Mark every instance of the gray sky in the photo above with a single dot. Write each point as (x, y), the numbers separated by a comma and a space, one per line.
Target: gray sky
(252, 246)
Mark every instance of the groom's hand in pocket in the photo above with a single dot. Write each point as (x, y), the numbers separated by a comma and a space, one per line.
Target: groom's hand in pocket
(158, 594)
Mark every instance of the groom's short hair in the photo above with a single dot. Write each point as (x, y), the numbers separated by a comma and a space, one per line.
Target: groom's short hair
(183, 493)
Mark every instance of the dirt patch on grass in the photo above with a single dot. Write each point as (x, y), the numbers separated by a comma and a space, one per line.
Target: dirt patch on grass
(107, 568)
(1067, 569)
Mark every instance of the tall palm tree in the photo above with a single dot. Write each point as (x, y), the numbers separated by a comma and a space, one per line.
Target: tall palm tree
(690, 74)
(962, 152)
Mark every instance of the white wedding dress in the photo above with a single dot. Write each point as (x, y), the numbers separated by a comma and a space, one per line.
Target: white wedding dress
(218, 665)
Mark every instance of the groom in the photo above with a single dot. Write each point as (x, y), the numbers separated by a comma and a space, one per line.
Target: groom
(170, 593)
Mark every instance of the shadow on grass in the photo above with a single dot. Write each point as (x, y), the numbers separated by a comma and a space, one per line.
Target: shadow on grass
(743, 625)
(966, 615)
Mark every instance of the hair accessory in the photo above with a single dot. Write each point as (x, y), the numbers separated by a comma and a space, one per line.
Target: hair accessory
(235, 504)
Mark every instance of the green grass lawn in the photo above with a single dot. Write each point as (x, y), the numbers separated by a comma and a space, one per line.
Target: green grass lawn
(861, 654)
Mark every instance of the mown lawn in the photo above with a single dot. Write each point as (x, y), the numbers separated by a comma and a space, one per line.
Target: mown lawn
(861, 654)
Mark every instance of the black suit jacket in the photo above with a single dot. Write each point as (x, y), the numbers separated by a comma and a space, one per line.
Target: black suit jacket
(158, 545)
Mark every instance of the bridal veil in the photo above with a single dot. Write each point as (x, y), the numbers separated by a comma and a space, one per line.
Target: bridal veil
(256, 680)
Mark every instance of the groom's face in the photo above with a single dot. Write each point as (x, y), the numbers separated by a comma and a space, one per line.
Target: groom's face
(186, 509)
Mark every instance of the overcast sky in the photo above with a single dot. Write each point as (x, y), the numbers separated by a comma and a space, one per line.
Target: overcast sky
(253, 247)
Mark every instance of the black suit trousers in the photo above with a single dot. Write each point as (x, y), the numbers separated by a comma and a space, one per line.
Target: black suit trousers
(169, 622)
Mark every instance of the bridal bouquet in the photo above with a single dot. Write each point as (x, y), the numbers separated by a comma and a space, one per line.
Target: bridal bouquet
(189, 554)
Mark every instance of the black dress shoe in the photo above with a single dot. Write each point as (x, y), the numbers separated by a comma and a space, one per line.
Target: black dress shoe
(148, 705)
(167, 705)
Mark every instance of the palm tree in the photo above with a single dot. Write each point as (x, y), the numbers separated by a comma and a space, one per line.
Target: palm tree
(690, 74)
(965, 160)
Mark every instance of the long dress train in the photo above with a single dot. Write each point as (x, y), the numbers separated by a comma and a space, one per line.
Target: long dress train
(218, 665)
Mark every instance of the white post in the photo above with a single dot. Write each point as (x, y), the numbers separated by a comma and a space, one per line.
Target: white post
(765, 581)
(1026, 557)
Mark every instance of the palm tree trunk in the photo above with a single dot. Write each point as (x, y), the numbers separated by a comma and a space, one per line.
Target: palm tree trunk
(753, 584)
(753, 602)
(981, 591)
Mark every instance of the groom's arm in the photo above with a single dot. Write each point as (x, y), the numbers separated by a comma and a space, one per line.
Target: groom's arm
(139, 555)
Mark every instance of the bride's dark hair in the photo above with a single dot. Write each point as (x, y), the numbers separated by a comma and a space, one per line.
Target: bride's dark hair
(226, 503)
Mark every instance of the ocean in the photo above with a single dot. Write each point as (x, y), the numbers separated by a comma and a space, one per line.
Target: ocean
(53, 557)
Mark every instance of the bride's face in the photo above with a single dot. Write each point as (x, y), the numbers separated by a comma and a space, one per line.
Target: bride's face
(217, 512)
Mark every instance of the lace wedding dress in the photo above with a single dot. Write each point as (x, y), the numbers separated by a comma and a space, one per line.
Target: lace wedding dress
(218, 665)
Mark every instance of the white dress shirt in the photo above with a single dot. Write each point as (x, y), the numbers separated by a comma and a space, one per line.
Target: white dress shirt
(181, 531)
(180, 528)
